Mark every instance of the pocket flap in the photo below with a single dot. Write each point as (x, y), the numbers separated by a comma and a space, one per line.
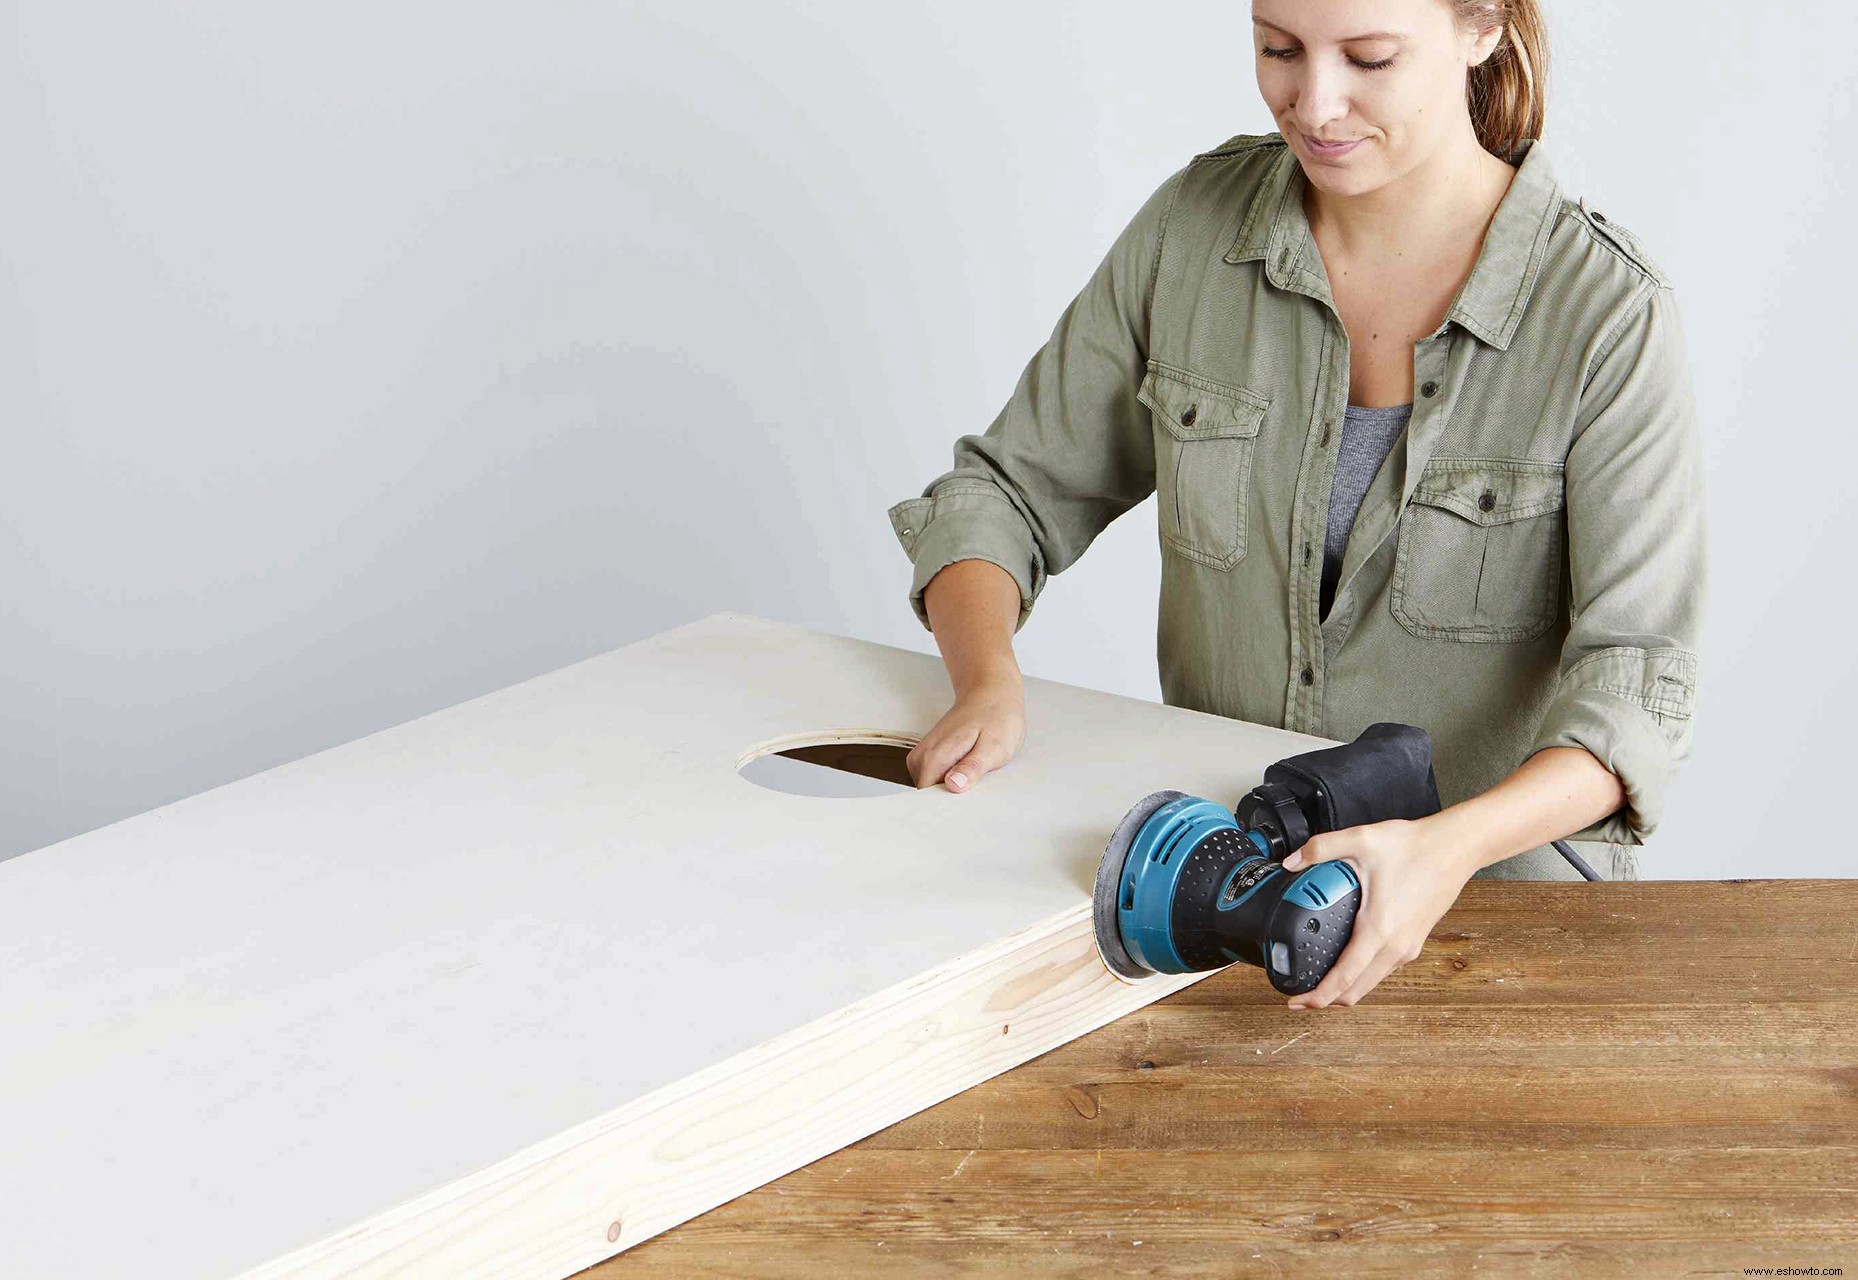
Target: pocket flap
(1196, 408)
(1491, 490)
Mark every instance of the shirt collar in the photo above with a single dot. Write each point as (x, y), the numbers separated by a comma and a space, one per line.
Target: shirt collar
(1489, 303)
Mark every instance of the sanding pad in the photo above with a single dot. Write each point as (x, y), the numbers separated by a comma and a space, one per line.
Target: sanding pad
(1109, 885)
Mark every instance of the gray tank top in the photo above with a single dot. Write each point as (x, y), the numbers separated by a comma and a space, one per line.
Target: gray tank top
(1368, 436)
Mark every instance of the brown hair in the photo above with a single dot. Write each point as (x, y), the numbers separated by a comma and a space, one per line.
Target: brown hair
(1506, 92)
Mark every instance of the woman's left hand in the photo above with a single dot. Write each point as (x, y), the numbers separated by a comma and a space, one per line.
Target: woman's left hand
(1409, 878)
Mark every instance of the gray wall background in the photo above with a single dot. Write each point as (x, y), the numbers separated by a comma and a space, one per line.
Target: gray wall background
(357, 360)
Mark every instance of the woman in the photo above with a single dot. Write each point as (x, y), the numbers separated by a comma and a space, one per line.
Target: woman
(1421, 433)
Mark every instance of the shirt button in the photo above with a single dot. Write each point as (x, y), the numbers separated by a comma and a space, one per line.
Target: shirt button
(1486, 500)
(1309, 677)
(1306, 553)
(1429, 389)
(1189, 414)
(1323, 443)
(1597, 215)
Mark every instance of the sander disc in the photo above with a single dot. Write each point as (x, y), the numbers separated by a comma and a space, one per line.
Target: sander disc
(1109, 885)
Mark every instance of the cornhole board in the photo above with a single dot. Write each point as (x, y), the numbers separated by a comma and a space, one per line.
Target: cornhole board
(509, 988)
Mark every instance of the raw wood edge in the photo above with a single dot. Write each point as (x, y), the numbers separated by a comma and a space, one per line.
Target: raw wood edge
(561, 1205)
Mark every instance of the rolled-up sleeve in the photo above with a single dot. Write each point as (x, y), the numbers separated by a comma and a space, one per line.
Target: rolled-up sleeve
(1071, 450)
(1636, 567)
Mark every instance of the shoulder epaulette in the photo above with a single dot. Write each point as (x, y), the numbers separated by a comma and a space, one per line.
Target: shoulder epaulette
(1620, 241)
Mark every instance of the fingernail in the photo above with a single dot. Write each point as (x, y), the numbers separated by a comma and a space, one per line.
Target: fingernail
(959, 779)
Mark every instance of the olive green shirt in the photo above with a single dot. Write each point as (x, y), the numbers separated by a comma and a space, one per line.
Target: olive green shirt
(1527, 569)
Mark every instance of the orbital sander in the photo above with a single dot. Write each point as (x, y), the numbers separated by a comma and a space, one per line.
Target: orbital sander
(1185, 885)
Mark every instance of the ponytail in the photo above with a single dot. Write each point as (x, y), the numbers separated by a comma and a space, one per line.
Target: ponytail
(1506, 92)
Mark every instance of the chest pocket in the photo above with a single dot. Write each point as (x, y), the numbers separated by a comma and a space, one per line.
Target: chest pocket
(1205, 434)
(1480, 550)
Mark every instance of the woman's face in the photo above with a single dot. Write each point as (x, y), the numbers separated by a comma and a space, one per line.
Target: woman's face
(1386, 75)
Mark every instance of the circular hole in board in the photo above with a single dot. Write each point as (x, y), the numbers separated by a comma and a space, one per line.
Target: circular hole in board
(847, 764)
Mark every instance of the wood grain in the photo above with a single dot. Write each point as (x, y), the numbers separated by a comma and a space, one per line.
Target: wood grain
(1653, 1077)
(646, 1167)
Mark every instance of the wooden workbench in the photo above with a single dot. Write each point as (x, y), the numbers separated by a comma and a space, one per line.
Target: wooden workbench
(1646, 1078)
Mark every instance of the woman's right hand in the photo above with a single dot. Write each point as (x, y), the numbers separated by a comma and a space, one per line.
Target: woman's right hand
(981, 732)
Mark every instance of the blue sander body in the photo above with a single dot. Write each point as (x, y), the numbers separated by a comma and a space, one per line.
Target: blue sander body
(1186, 885)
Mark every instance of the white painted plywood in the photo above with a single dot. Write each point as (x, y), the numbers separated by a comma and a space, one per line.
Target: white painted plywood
(512, 986)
